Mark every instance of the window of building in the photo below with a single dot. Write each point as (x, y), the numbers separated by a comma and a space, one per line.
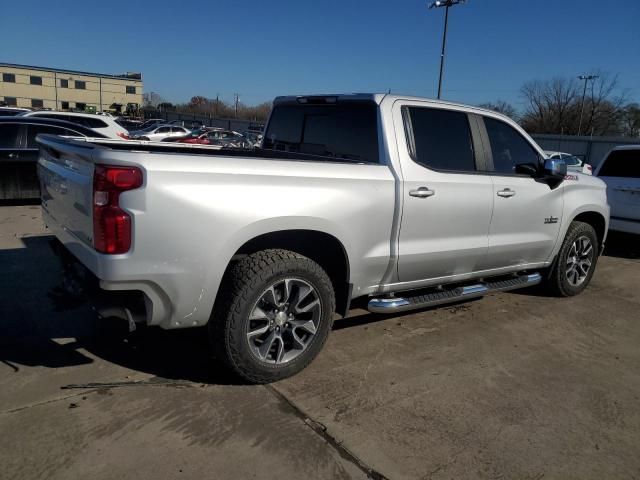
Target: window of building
(64, 105)
(9, 77)
(131, 90)
(36, 103)
(81, 106)
(11, 101)
(35, 80)
(508, 147)
(64, 83)
(440, 139)
(80, 85)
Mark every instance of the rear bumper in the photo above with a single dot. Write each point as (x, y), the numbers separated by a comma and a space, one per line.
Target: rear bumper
(87, 270)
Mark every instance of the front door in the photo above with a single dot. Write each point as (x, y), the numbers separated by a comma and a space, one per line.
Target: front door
(447, 202)
(527, 212)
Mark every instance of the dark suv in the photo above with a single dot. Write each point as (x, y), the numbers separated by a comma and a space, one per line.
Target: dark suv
(19, 152)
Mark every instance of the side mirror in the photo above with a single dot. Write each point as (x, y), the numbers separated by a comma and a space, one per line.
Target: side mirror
(527, 169)
(556, 169)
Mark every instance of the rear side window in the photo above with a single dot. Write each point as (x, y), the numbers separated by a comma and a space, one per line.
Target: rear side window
(9, 135)
(343, 131)
(90, 122)
(621, 163)
(440, 139)
(508, 147)
(33, 130)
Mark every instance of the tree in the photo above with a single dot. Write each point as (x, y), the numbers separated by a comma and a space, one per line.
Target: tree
(554, 106)
(151, 99)
(501, 106)
(630, 120)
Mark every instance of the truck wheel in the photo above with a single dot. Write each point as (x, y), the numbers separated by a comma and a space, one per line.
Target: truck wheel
(273, 316)
(576, 261)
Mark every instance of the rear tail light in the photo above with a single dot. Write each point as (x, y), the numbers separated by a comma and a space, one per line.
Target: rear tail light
(123, 135)
(111, 224)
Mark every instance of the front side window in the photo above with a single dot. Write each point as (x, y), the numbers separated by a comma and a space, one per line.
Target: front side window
(36, 103)
(35, 80)
(80, 85)
(163, 130)
(9, 135)
(440, 139)
(508, 147)
(621, 163)
(343, 131)
(9, 77)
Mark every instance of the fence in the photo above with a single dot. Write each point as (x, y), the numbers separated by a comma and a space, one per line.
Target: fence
(591, 149)
(193, 119)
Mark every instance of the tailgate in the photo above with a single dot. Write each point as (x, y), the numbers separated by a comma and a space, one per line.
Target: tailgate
(65, 170)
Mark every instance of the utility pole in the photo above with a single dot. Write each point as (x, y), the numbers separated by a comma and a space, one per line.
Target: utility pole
(446, 4)
(236, 99)
(586, 78)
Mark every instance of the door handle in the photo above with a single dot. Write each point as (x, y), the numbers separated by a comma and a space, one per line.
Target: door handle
(507, 192)
(422, 192)
(13, 155)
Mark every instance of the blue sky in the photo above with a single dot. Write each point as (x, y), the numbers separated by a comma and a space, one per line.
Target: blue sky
(262, 49)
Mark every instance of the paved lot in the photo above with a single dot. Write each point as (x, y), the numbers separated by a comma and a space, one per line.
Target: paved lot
(516, 385)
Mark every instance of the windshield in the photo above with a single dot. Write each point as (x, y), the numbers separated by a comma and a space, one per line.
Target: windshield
(345, 131)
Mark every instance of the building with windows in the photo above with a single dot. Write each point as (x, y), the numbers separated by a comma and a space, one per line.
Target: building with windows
(57, 89)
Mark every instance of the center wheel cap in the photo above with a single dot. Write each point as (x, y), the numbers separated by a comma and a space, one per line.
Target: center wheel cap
(281, 318)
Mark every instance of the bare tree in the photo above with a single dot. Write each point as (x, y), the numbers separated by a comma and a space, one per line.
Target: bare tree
(553, 106)
(501, 106)
(151, 99)
(630, 121)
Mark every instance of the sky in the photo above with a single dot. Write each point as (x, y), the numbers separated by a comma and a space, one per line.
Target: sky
(280, 47)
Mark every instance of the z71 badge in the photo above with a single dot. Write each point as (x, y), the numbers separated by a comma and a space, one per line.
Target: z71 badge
(551, 220)
(571, 177)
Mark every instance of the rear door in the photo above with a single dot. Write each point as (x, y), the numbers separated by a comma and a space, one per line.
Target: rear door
(527, 212)
(621, 172)
(447, 200)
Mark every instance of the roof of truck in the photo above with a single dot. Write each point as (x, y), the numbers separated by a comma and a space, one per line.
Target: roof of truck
(375, 97)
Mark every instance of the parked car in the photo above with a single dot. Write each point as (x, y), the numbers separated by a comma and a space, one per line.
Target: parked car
(253, 137)
(223, 138)
(104, 125)
(160, 132)
(152, 122)
(19, 152)
(11, 111)
(404, 201)
(574, 164)
(620, 170)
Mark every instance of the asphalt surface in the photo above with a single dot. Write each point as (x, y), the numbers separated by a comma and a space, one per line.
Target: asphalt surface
(515, 385)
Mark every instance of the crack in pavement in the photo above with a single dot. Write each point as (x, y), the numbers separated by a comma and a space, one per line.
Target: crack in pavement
(321, 430)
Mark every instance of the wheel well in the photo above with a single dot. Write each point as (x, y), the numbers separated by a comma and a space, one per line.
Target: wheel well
(596, 220)
(324, 249)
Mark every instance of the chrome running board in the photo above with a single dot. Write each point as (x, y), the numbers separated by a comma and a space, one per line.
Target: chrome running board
(438, 297)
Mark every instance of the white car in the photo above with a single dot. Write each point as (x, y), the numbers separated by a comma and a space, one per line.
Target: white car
(105, 125)
(11, 111)
(574, 164)
(620, 170)
(159, 133)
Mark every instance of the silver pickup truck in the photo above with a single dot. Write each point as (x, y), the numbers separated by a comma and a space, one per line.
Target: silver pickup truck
(401, 202)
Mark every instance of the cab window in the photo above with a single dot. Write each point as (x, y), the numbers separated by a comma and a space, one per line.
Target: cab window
(508, 147)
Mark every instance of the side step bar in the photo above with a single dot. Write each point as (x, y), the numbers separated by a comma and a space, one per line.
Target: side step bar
(401, 304)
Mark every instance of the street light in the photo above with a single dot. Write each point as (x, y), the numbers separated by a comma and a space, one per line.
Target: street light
(586, 78)
(446, 4)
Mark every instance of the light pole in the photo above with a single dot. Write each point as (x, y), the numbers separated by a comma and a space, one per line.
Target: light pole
(446, 4)
(586, 78)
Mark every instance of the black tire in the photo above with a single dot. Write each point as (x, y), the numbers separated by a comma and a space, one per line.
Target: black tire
(558, 282)
(242, 287)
